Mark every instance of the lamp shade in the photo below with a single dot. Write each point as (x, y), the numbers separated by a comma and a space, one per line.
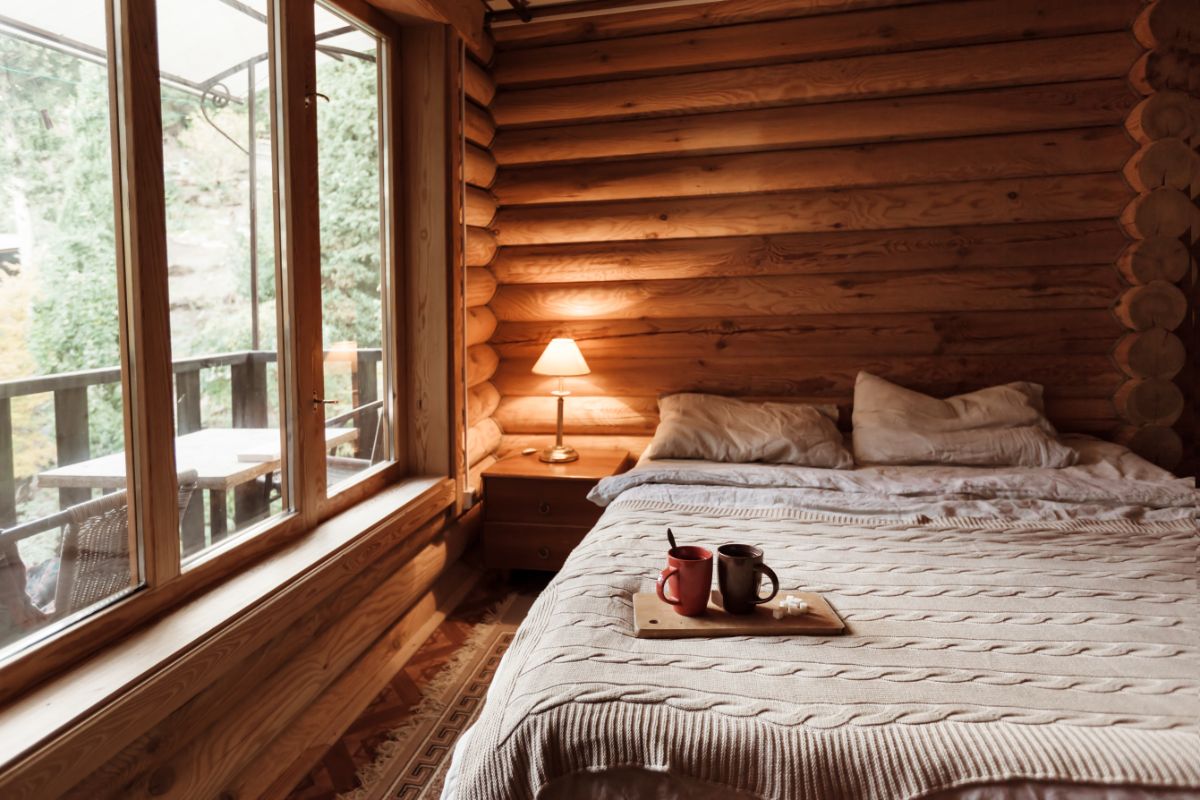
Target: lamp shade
(561, 358)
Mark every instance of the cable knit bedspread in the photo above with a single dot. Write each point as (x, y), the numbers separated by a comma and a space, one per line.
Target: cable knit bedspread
(980, 649)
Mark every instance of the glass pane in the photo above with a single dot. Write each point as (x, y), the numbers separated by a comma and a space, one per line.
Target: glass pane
(62, 434)
(353, 226)
(216, 111)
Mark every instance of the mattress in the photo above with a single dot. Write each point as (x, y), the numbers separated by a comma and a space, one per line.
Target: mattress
(1012, 634)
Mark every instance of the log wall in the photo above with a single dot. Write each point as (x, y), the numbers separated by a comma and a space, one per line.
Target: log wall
(479, 210)
(763, 198)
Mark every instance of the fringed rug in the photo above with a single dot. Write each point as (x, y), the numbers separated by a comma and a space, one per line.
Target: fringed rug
(413, 762)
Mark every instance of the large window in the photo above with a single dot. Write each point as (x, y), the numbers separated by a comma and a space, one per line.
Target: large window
(125, 465)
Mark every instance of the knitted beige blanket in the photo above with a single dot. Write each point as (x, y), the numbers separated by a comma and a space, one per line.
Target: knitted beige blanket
(977, 652)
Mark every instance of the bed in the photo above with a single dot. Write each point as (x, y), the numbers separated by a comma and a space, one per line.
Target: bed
(1012, 633)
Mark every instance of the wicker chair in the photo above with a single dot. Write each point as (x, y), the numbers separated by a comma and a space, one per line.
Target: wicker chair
(95, 561)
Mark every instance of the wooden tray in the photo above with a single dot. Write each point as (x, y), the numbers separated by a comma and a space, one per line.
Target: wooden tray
(654, 619)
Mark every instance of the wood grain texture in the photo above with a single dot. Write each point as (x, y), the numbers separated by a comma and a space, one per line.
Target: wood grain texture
(482, 440)
(1163, 115)
(1153, 259)
(1149, 401)
(931, 291)
(1154, 353)
(478, 83)
(1169, 162)
(1156, 304)
(1163, 70)
(1160, 212)
(1159, 444)
(1088, 331)
(1166, 23)
(879, 31)
(1001, 110)
(481, 286)
(510, 444)
(479, 207)
(966, 247)
(1077, 58)
(817, 376)
(965, 159)
(480, 325)
(482, 401)
(637, 22)
(479, 126)
(1075, 197)
(479, 166)
(480, 247)
(482, 361)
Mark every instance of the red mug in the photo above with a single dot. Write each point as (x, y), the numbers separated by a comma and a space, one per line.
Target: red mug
(690, 570)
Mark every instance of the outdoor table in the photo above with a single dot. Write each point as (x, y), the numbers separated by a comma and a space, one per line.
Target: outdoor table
(223, 458)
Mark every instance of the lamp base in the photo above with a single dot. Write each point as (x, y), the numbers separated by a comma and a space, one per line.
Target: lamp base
(558, 455)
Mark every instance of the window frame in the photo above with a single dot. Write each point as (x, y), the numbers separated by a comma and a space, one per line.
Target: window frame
(143, 308)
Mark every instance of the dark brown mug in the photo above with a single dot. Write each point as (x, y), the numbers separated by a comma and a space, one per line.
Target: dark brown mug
(689, 569)
(739, 574)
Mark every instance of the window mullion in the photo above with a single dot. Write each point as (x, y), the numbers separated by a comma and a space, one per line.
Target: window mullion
(299, 240)
(142, 242)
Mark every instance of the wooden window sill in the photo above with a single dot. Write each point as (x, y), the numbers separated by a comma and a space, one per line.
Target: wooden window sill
(132, 685)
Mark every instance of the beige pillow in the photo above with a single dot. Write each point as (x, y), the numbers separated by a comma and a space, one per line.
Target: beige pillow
(997, 426)
(717, 428)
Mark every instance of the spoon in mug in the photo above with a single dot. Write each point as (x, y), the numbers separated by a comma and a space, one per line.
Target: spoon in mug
(671, 539)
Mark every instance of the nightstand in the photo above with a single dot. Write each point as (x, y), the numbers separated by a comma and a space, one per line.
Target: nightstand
(535, 513)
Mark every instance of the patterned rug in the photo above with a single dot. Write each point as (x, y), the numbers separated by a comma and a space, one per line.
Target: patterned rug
(413, 763)
(400, 739)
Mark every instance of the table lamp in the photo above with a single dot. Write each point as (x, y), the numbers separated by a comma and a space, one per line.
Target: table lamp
(561, 359)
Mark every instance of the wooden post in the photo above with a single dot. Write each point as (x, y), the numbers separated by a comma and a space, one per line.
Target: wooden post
(368, 392)
(248, 387)
(187, 402)
(8, 478)
(71, 437)
(187, 420)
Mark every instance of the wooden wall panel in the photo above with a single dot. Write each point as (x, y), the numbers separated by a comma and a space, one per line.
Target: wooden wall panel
(764, 201)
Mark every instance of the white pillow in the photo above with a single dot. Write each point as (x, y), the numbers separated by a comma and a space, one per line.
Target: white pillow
(997, 426)
(717, 428)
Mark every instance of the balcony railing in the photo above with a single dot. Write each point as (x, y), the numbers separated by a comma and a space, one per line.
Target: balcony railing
(249, 409)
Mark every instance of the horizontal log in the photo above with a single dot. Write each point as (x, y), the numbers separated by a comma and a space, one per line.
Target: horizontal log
(475, 474)
(482, 401)
(1009, 110)
(1149, 401)
(965, 159)
(638, 415)
(478, 125)
(515, 444)
(1166, 162)
(212, 757)
(818, 376)
(1157, 258)
(1075, 58)
(479, 207)
(970, 203)
(482, 440)
(285, 761)
(480, 324)
(511, 33)
(1164, 115)
(932, 291)
(1163, 70)
(1166, 23)
(482, 361)
(1056, 331)
(481, 286)
(1160, 212)
(1155, 353)
(478, 85)
(888, 30)
(479, 167)
(1158, 304)
(1155, 443)
(481, 247)
(1021, 245)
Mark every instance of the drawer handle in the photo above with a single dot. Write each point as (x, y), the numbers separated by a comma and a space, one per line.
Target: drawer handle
(543, 553)
(544, 507)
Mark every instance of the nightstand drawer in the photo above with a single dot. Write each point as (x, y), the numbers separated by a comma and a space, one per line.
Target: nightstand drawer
(542, 502)
(509, 545)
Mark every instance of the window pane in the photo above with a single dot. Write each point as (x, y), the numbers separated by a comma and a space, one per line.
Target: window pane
(216, 111)
(62, 435)
(353, 227)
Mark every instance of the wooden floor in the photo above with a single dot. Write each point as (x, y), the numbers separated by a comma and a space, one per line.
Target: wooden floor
(335, 772)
